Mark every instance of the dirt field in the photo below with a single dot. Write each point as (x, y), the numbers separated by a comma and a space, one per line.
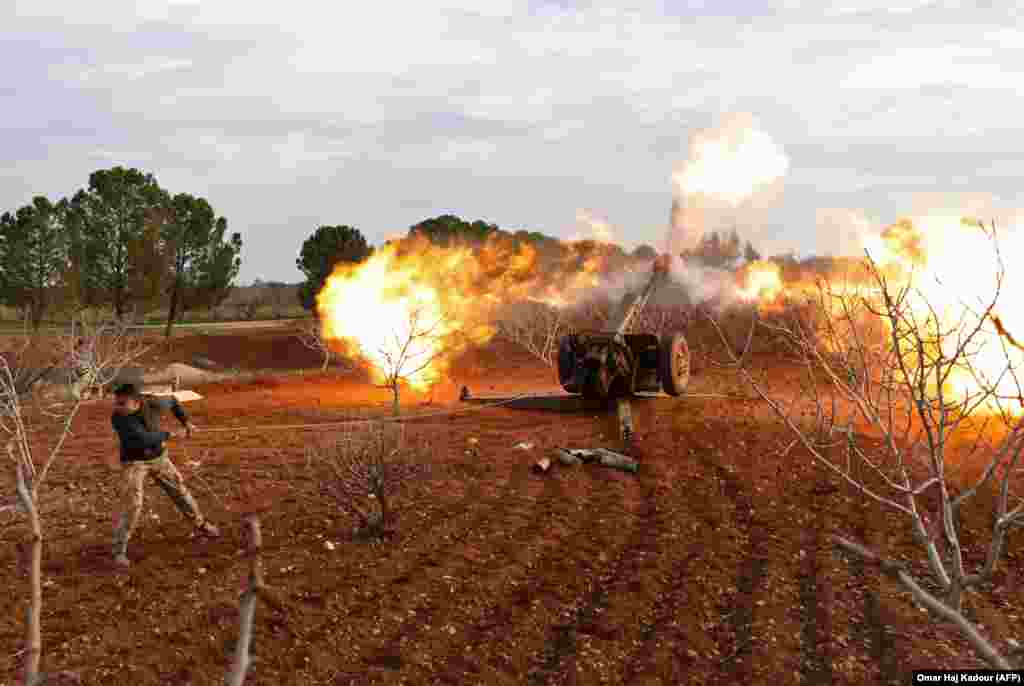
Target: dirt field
(710, 566)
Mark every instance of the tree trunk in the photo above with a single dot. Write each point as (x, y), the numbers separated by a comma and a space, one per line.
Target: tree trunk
(119, 305)
(394, 405)
(33, 625)
(327, 360)
(36, 315)
(34, 632)
(173, 310)
(247, 603)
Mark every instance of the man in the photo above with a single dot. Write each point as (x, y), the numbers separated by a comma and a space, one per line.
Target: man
(136, 419)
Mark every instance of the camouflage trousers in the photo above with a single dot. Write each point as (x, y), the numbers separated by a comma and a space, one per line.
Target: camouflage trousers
(133, 479)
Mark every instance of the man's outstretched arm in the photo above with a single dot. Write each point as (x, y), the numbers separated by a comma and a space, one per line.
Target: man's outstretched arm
(171, 403)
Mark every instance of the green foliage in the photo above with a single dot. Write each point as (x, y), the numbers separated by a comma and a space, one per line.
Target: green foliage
(534, 237)
(116, 227)
(203, 265)
(322, 251)
(33, 255)
(120, 243)
(447, 230)
(552, 254)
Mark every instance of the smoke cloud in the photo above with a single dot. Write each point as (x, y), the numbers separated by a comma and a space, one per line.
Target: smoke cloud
(842, 232)
(727, 166)
(590, 226)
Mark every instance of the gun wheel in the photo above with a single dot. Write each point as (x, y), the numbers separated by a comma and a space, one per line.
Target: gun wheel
(674, 363)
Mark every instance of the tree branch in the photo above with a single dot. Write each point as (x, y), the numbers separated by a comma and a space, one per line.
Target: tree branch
(897, 571)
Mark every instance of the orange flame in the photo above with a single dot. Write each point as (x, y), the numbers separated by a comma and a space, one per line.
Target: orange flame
(951, 267)
(948, 268)
(761, 281)
(411, 306)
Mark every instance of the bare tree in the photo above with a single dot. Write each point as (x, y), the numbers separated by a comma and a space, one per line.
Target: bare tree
(247, 601)
(408, 351)
(109, 346)
(537, 328)
(311, 335)
(22, 427)
(367, 465)
(891, 360)
(254, 587)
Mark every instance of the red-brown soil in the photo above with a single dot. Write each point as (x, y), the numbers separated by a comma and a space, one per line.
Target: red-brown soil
(712, 565)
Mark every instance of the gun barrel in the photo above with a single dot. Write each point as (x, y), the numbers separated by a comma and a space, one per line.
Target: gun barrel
(659, 272)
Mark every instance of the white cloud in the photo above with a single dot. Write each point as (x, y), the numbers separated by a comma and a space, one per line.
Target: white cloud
(115, 75)
(914, 68)
(486, 104)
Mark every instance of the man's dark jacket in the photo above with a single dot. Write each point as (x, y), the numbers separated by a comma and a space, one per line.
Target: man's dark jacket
(140, 434)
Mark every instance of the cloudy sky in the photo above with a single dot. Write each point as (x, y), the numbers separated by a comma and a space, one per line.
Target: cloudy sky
(529, 114)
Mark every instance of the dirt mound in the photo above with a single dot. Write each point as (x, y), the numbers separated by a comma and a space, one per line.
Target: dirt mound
(176, 372)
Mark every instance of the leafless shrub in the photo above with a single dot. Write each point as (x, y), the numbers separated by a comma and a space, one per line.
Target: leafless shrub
(537, 328)
(885, 357)
(110, 348)
(365, 467)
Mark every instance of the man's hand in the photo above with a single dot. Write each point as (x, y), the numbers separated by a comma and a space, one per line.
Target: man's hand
(190, 429)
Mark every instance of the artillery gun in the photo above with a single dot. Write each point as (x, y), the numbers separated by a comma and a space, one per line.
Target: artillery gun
(614, 364)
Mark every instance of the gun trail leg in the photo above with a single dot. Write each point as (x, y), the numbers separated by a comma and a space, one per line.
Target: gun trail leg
(625, 412)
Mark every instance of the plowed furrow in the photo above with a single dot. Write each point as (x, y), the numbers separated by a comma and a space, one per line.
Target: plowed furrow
(496, 621)
(816, 634)
(667, 641)
(734, 636)
(570, 650)
(500, 558)
(872, 630)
